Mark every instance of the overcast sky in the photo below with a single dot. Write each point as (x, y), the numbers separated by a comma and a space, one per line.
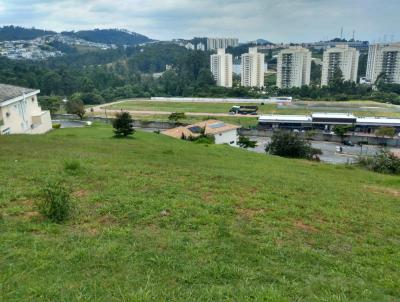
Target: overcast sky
(274, 20)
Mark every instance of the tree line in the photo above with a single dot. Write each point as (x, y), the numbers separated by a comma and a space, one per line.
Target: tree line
(102, 76)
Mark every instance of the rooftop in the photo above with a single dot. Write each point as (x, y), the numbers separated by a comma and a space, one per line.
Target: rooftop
(333, 115)
(210, 126)
(297, 118)
(8, 92)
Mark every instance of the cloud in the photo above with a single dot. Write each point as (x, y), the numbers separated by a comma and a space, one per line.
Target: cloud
(276, 20)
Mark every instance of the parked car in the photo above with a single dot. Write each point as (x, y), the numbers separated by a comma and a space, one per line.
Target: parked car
(348, 143)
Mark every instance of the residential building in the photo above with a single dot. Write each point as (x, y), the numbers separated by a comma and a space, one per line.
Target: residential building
(223, 133)
(342, 56)
(221, 68)
(253, 68)
(384, 59)
(217, 43)
(189, 46)
(20, 112)
(200, 46)
(294, 67)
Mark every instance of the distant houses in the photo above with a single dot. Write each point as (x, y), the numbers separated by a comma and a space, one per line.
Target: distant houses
(20, 112)
(223, 133)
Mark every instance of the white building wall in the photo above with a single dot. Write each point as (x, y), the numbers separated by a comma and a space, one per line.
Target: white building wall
(24, 116)
(347, 61)
(221, 68)
(375, 65)
(300, 67)
(228, 137)
(253, 64)
(217, 43)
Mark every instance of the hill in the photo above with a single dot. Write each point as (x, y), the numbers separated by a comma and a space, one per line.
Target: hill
(12, 33)
(110, 36)
(160, 219)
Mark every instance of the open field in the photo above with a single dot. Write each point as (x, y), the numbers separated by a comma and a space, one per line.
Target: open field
(237, 226)
(359, 108)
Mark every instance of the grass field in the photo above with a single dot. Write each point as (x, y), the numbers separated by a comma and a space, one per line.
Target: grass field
(359, 108)
(239, 226)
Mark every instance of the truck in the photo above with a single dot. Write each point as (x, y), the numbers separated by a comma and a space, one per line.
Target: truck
(251, 110)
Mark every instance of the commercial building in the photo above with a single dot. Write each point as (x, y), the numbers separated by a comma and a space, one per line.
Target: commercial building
(217, 43)
(221, 68)
(343, 57)
(223, 133)
(20, 112)
(294, 67)
(326, 122)
(384, 59)
(253, 68)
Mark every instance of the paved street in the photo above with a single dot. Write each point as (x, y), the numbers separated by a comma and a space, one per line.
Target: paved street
(330, 155)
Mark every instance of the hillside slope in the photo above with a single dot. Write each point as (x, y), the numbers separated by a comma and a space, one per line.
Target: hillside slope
(110, 36)
(160, 219)
(11, 33)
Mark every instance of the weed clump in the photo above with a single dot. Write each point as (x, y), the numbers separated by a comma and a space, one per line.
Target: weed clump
(56, 203)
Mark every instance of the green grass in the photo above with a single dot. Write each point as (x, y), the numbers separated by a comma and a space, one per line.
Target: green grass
(360, 108)
(160, 219)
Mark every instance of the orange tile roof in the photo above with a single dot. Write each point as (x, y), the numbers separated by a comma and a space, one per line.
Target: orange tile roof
(211, 127)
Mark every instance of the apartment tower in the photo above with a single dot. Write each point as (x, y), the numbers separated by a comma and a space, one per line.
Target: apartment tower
(384, 59)
(343, 57)
(221, 68)
(217, 43)
(253, 68)
(294, 67)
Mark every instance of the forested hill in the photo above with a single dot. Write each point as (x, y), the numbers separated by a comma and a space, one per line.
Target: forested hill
(110, 36)
(12, 33)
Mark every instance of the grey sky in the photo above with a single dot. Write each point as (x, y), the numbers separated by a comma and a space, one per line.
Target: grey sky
(275, 20)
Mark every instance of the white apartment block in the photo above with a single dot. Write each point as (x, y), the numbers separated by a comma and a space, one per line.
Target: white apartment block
(343, 57)
(221, 68)
(218, 43)
(384, 59)
(20, 112)
(294, 67)
(253, 68)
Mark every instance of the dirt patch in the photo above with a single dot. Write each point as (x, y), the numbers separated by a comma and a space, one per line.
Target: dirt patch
(81, 193)
(305, 227)
(249, 213)
(380, 190)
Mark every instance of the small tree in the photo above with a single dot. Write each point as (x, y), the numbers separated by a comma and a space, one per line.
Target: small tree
(123, 124)
(341, 131)
(176, 116)
(245, 142)
(75, 106)
(290, 145)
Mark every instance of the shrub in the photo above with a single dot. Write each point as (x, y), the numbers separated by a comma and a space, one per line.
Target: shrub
(123, 124)
(245, 142)
(291, 145)
(383, 162)
(176, 116)
(72, 165)
(56, 204)
(56, 126)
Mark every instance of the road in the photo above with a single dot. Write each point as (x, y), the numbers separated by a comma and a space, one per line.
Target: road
(329, 153)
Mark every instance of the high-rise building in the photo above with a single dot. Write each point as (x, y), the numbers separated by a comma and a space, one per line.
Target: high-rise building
(253, 68)
(343, 57)
(218, 43)
(221, 68)
(294, 67)
(200, 46)
(384, 59)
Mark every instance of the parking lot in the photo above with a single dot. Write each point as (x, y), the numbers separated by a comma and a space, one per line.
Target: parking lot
(329, 150)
